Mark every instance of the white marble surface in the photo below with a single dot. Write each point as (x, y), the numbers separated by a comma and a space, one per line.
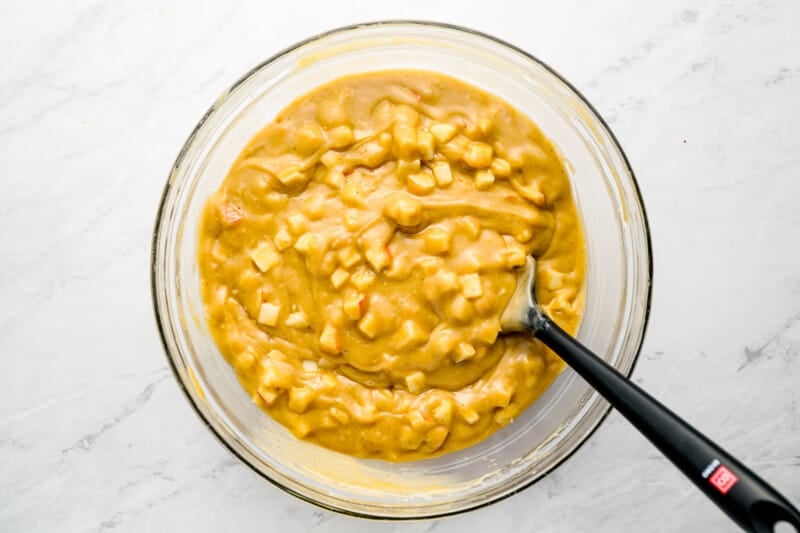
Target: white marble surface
(97, 97)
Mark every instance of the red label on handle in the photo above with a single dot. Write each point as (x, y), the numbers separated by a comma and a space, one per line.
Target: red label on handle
(723, 479)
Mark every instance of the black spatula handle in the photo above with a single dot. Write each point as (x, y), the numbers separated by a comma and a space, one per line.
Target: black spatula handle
(745, 497)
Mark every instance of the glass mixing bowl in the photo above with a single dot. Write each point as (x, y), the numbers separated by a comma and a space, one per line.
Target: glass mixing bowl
(617, 285)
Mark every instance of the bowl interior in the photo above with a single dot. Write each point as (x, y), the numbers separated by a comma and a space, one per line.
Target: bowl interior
(618, 274)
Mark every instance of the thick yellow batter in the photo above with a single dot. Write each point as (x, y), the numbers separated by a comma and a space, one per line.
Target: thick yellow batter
(357, 258)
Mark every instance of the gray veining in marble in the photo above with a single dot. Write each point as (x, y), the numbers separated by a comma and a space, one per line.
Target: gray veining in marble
(97, 97)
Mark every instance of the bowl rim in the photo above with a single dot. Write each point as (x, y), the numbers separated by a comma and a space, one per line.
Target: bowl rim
(161, 212)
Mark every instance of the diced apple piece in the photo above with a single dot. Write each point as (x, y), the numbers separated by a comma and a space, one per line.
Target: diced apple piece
(443, 132)
(339, 278)
(514, 256)
(470, 226)
(409, 334)
(408, 166)
(443, 413)
(283, 239)
(369, 325)
(310, 244)
(308, 138)
(296, 222)
(349, 256)
(405, 140)
(415, 382)
(363, 278)
(437, 240)
(297, 320)
(378, 258)
(229, 214)
(353, 195)
(425, 144)
(442, 173)
(501, 168)
(354, 304)
(461, 309)
(300, 398)
(403, 209)
(265, 256)
(340, 136)
(329, 339)
(421, 183)
(483, 179)
(268, 314)
(314, 206)
(293, 177)
(471, 286)
(331, 159)
(463, 352)
(478, 155)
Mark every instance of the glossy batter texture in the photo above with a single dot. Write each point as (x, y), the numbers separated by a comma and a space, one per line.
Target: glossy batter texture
(357, 258)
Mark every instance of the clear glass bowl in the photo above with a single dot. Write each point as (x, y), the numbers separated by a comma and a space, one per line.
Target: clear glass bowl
(618, 277)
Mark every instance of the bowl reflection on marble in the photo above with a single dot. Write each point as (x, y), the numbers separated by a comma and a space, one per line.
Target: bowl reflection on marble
(617, 285)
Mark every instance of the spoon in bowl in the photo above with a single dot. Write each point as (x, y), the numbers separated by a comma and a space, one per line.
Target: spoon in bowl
(741, 494)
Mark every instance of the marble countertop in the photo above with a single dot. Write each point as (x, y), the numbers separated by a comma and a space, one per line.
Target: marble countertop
(97, 97)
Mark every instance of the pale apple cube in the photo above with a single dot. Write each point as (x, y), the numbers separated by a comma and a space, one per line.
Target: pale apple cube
(283, 239)
(461, 309)
(300, 398)
(309, 366)
(339, 278)
(349, 256)
(293, 177)
(463, 352)
(353, 304)
(296, 222)
(331, 159)
(415, 382)
(268, 394)
(297, 320)
(443, 173)
(470, 226)
(478, 155)
(310, 244)
(471, 286)
(421, 183)
(425, 144)
(334, 178)
(501, 168)
(340, 136)
(443, 132)
(369, 326)
(314, 206)
(378, 258)
(514, 256)
(268, 314)
(329, 339)
(363, 278)
(410, 334)
(443, 413)
(405, 140)
(470, 416)
(443, 341)
(406, 166)
(483, 179)
(403, 209)
(437, 240)
(308, 138)
(353, 195)
(265, 256)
